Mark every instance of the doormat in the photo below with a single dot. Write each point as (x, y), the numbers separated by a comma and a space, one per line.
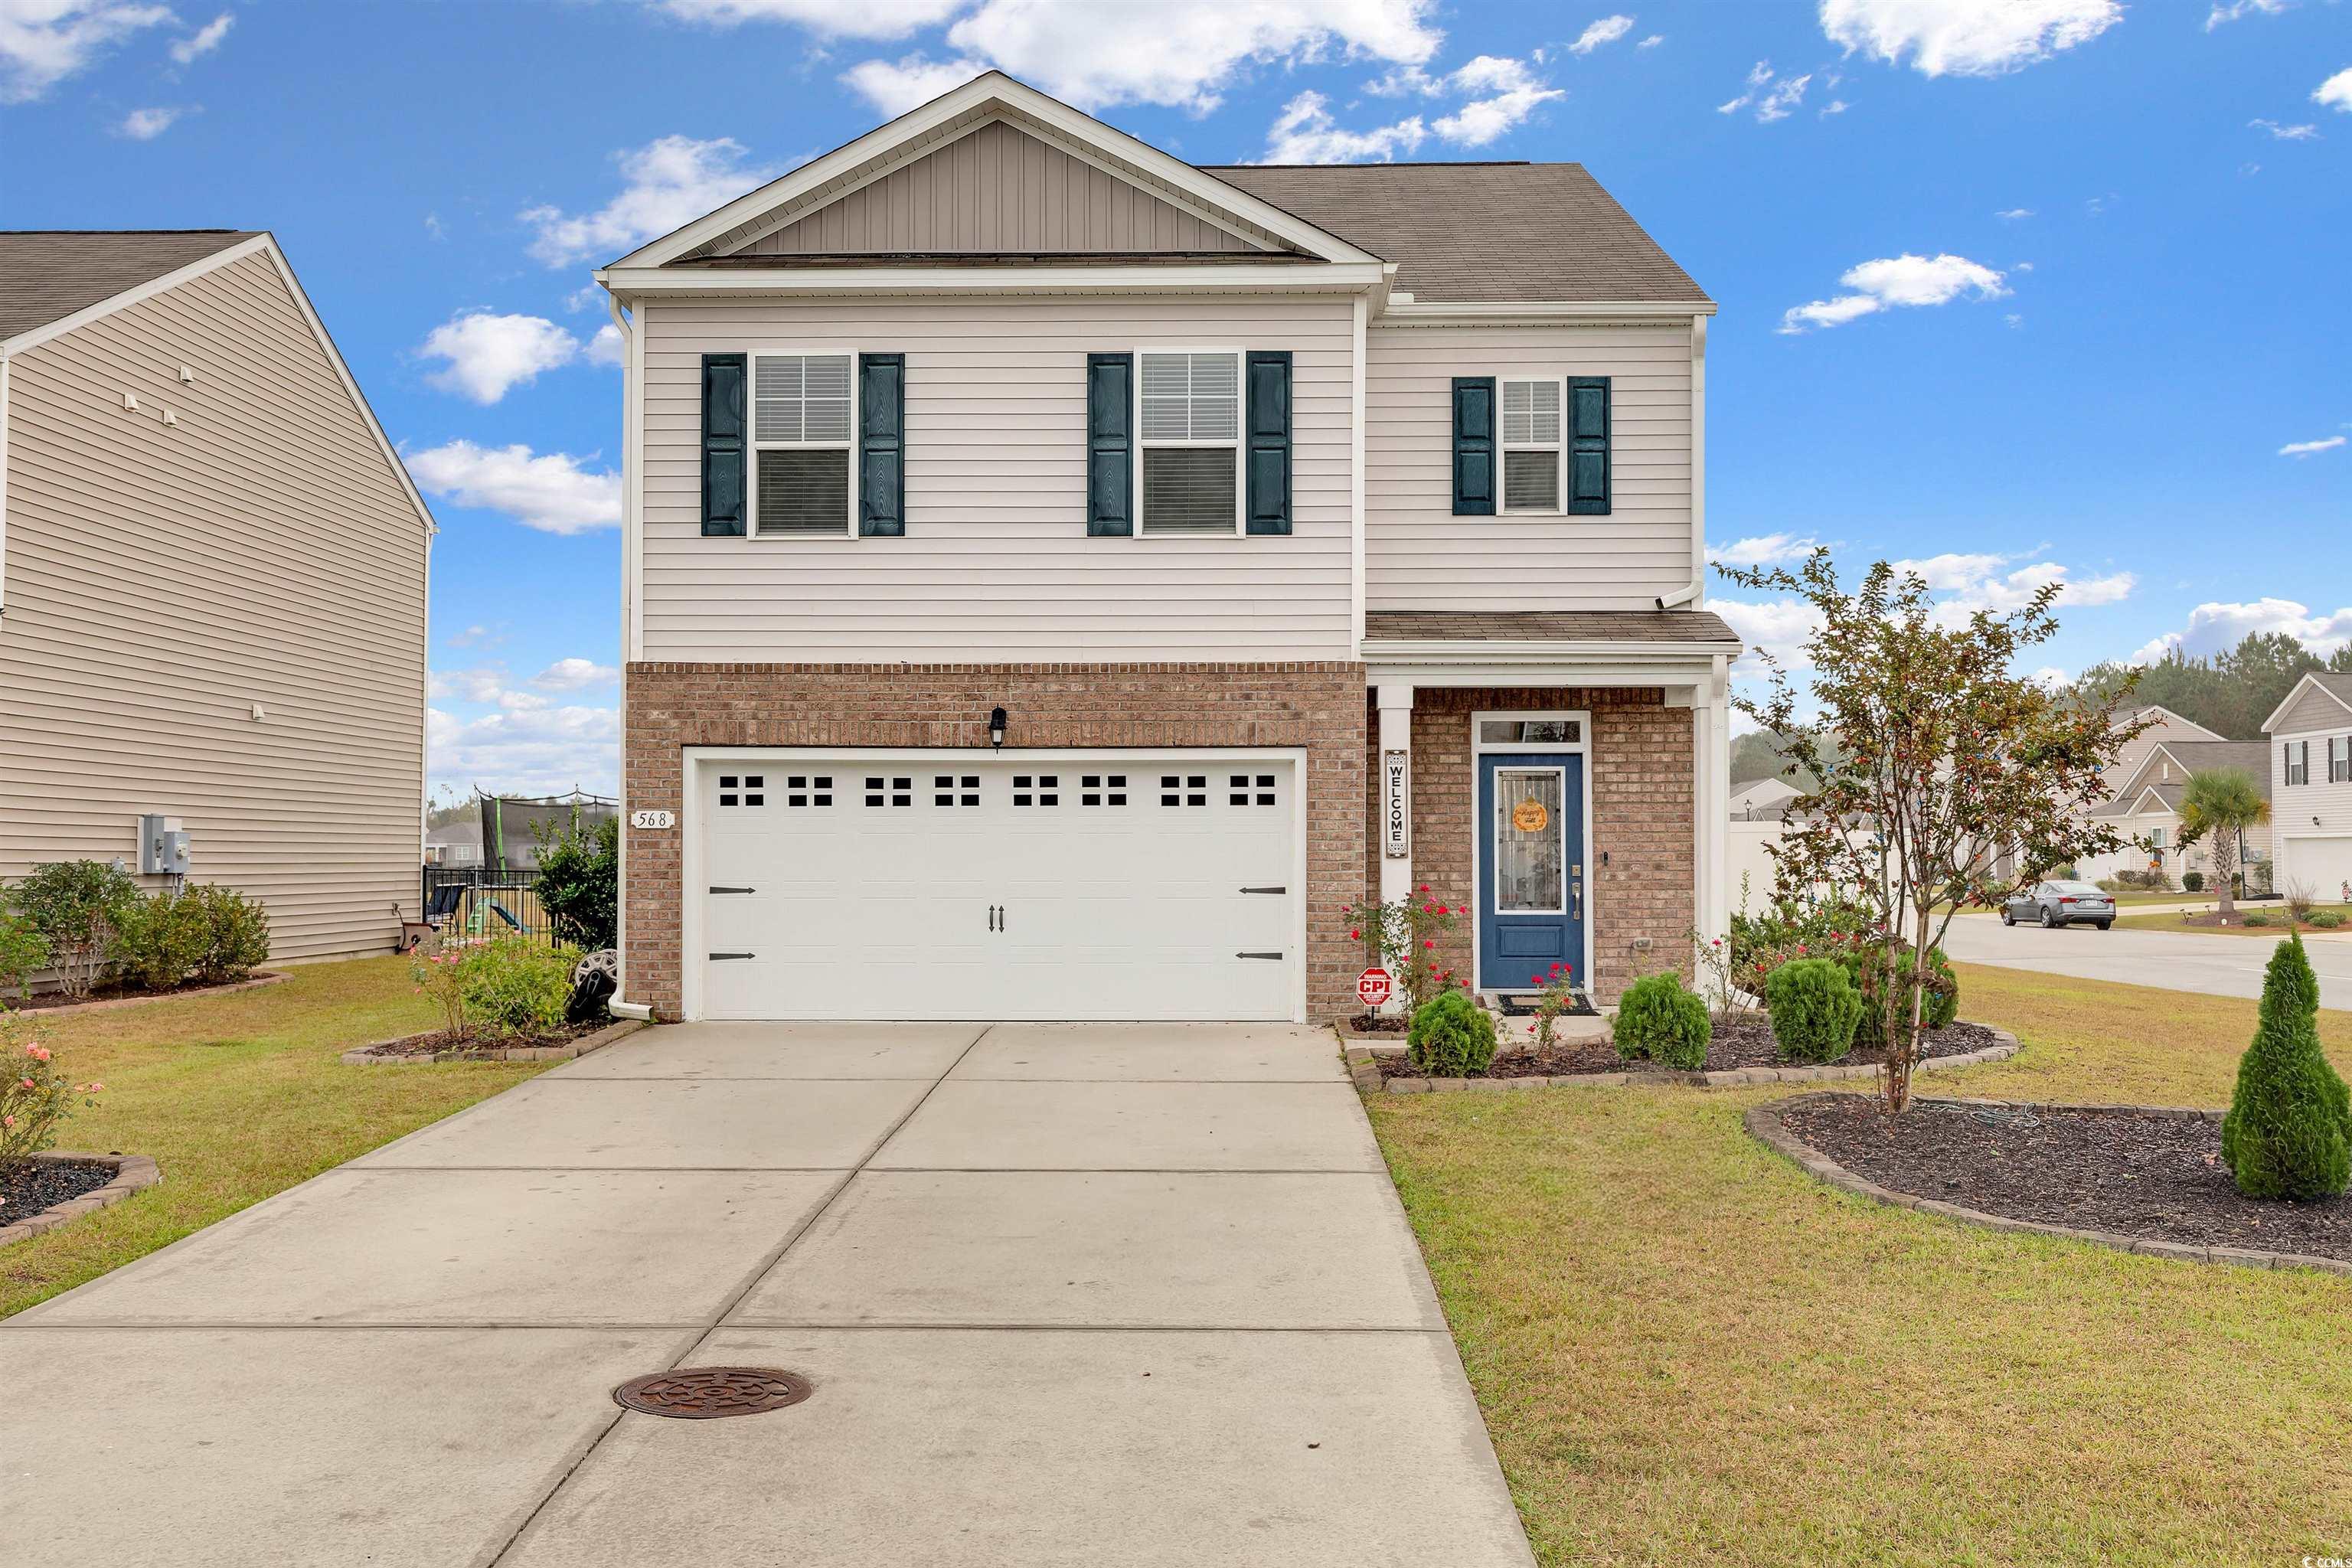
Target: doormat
(1523, 1005)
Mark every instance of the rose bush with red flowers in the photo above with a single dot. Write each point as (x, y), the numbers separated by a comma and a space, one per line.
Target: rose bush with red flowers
(1398, 936)
(35, 1097)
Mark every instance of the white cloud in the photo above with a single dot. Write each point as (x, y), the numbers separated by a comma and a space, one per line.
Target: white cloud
(2013, 319)
(42, 42)
(2306, 448)
(146, 124)
(2335, 93)
(605, 347)
(204, 40)
(1515, 93)
(831, 19)
(2051, 678)
(2237, 8)
(1305, 132)
(2014, 215)
(1905, 279)
(1966, 37)
(1835, 106)
(1607, 30)
(536, 751)
(575, 675)
(1763, 549)
(666, 184)
(1773, 97)
(1097, 54)
(553, 493)
(2215, 628)
(2285, 132)
(1779, 627)
(487, 355)
(1967, 582)
(1652, 42)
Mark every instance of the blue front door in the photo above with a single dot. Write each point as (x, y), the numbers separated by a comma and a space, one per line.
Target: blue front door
(1530, 868)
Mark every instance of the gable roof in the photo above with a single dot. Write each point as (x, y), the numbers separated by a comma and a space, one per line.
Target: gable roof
(2252, 757)
(1466, 232)
(990, 96)
(2166, 716)
(46, 275)
(2336, 683)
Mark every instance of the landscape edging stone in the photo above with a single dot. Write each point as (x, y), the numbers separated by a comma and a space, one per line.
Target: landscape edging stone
(131, 1173)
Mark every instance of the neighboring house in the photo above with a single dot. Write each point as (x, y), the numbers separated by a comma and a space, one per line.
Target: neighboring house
(212, 584)
(454, 843)
(1765, 800)
(1060, 581)
(2163, 725)
(2147, 806)
(2310, 771)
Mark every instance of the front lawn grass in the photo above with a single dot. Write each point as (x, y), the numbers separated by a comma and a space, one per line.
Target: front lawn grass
(237, 1097)
(2276, 913)
(1688, 1349)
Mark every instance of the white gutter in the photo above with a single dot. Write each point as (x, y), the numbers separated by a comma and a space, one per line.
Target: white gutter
(1684, 594)
(1404, 309)
(1300, 278)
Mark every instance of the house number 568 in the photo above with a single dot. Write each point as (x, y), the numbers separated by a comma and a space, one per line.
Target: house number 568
(653, 819)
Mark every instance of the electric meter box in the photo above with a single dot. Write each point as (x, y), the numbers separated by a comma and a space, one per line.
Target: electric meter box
(163, 847)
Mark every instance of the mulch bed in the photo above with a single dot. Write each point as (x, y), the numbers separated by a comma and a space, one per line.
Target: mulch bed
(1742, 1041)
(2081, 1167)
(441, 1041)
(38, 1183)
(101, 996)
(2274, 918)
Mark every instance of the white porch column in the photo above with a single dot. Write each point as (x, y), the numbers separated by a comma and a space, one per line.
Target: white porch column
(1711, 797)
(1396, 736)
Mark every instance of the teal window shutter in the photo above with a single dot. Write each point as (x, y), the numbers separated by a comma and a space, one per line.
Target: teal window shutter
(1267, 510)
(1588, 445)
(1473, 446)
(882, 446)
(1110, 444)
(723, 446)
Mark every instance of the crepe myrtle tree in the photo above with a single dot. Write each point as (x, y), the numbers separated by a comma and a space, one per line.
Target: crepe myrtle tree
(1948, 780)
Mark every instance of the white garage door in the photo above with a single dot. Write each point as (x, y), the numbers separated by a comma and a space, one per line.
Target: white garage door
(2322, 865)
(957, 885)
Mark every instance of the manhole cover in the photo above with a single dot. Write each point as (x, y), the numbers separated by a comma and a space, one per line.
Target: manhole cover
(698, 1392)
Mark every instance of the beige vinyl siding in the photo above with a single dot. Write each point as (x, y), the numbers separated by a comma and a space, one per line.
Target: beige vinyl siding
(2315, 712)
(997, 189)
(162, 581)
(996, 564)
(1419, 556)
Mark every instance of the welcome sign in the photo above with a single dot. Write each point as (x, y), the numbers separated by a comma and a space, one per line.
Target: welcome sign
(1396, 804)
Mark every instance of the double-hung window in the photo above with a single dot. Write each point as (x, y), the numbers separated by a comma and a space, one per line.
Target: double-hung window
(2298, 761)
(2339, 758)
(803, 433)
(1531, 445)
(1190, 425)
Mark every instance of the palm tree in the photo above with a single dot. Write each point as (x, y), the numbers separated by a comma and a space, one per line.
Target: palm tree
(2223, 802)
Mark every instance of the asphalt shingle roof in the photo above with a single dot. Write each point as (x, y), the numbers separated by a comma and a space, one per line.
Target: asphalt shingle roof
(49, 274)
(1460, 231)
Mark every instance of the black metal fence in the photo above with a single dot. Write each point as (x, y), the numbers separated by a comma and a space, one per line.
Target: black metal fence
(490, 903)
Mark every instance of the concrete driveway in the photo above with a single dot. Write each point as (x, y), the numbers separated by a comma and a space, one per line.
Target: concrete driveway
(2213, 965)
(1067, 1294)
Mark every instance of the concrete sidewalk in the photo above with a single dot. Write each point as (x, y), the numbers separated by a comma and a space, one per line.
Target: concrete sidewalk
(1067, 1295)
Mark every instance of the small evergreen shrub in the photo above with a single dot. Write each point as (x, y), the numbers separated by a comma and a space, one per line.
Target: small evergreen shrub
(2257, 919)
(1660, 1021)
(579, 882)
(511, 985)
(1814, 1009)
(72, 903)
(1938, 1008)
(1450, 1036)
(2289, 1130)
(24, 952)
(158, 939)
(236, 932)
(2327, 919)
(2192, 881)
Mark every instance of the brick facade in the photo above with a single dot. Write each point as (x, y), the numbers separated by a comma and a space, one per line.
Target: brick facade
(1640, 772)
(1320, 707)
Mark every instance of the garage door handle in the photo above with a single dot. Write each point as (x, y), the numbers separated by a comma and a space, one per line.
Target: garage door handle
(1266, 890)
(717, 956)
(734, 890)
(1257, 955)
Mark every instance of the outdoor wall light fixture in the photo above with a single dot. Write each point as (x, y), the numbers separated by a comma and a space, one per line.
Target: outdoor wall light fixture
(996, 727)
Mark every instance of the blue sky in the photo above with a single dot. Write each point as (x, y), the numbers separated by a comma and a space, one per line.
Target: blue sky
(2016, 288)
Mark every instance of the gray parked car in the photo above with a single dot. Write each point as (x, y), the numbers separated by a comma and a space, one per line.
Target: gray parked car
(2059, 904)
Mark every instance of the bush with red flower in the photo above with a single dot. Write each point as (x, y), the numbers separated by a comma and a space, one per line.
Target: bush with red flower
(36, 1096)
(1401, 936)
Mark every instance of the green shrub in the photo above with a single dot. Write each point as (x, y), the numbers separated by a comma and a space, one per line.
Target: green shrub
(35, 1095)
(2192, 881)
(2289, 1130)
(2327, 919)
(1938, 1008)
(1660, 1021)
(579, 882)
(2257, 919)
(511, 985)
(72, 903)
(1450, 1036)
(237, 932)
(157, 941)
(1814, 1009)
(24, 952)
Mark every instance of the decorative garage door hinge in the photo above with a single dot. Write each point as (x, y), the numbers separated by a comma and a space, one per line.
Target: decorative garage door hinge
(734, 890)
(717, 956)
(1266, 890)
(1257, 955)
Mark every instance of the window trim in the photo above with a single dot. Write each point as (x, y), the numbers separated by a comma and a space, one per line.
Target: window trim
(1504, 447)
(1238, 446)
(754, 445)
(2297, 761)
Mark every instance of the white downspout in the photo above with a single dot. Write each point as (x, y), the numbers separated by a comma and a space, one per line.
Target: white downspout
(632, 370)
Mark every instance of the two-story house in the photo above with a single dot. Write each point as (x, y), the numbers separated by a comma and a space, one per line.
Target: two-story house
(213, 573)
(2311, 786)
(1061, 580)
